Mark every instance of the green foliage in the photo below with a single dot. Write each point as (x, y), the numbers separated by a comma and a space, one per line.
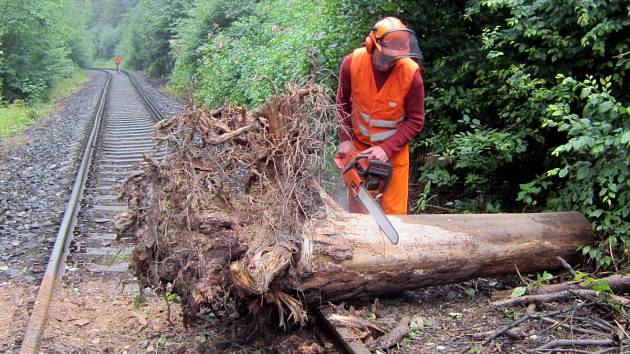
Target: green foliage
(602, 288)
(277, 41)
(146, 32)
(40, 43)
(592, 173)
(204, 19)
(105, 26)
(528, 104)
(20, 114)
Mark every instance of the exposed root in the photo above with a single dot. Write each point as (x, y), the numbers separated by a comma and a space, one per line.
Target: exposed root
(220, 220)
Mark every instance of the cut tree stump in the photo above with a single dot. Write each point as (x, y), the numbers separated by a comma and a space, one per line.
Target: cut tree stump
(346, 256)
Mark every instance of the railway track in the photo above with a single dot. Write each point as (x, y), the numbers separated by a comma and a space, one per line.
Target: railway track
(120, 135)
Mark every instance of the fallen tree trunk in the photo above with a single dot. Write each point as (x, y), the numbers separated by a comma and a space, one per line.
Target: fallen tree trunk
(345, 256)
(232, 221)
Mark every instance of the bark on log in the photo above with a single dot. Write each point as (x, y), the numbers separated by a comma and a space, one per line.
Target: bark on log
(346, 256)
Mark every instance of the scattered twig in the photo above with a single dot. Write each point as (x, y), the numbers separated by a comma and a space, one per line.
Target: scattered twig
(623, 349)
(492, 336)
(571, 328)
(566, 266)
(528, 317)
(227, 136)
(556, 350)
(618, 284)
(394, 336)
(555, 297)
(509, 333)
(622, 329)
(576, 343)
(597, 322)
(525, 280)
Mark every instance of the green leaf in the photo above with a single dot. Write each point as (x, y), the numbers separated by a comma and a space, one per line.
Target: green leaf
(579, 276)
(137, 300)
(602, 286)
(518, 291)
(470, 292)
(563, 172)
(583, 173)
(544, 277)
(162, 340)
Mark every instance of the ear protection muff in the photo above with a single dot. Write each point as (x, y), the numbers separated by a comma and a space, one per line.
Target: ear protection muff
(370, 40)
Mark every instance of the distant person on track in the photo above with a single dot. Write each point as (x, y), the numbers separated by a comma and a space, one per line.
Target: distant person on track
(117, 61)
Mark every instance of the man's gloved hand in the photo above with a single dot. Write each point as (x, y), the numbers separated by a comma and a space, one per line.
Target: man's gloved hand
(376, 153)
(345, 147)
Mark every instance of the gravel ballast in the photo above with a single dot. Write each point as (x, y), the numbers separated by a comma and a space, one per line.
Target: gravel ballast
(36, 178)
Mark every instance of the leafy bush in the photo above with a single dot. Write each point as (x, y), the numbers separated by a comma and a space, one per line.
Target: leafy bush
(146, 33)
(203, 20)
(277, 42)
(19, 114)
(592, 174)
(41, 44)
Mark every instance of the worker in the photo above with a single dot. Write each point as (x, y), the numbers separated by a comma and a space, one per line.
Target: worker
(380, 104)
(117, 61)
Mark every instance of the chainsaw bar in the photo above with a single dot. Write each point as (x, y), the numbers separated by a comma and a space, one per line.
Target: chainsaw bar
(379, 215)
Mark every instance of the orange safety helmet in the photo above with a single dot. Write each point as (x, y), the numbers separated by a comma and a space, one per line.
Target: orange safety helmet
(393, 39)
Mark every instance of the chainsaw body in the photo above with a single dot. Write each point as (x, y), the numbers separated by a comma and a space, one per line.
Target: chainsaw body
(366, 182)
(357, 171)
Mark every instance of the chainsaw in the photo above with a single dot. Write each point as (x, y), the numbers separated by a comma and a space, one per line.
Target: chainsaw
(367, 180)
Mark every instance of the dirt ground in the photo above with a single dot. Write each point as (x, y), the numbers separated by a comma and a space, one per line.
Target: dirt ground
(98, 315)
(101, 315)
(88, 317)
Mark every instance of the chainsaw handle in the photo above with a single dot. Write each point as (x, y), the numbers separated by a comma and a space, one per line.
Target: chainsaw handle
(344, 160)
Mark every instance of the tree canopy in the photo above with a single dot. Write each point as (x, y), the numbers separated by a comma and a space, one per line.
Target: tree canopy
(40, 42)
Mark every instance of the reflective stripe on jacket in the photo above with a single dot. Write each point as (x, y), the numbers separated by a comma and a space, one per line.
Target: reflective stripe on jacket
(376, 114)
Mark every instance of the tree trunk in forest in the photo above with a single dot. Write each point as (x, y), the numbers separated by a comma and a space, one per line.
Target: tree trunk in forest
(346, 256)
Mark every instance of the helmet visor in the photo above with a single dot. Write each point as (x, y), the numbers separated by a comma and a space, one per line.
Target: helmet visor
(399, 44)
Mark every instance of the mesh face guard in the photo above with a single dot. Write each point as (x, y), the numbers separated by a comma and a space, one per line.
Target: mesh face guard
(398, 44)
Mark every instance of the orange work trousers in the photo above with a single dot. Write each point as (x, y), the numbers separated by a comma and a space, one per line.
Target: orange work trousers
(394, 200)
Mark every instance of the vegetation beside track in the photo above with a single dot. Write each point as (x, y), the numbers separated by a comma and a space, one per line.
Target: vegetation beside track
(21, 114)
(42, 45)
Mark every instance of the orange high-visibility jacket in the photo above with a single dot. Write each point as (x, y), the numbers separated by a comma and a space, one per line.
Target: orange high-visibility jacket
(376, 115)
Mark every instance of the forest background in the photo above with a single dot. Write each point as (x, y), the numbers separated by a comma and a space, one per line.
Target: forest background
(527, 101)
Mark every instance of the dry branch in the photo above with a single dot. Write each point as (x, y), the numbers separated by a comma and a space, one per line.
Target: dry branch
(618, 284)
(392, 337)
(227, 136)
(577, 343)
(562, 295)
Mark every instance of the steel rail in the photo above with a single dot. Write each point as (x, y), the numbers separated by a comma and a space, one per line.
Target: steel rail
(56, 264)
(157, 115)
